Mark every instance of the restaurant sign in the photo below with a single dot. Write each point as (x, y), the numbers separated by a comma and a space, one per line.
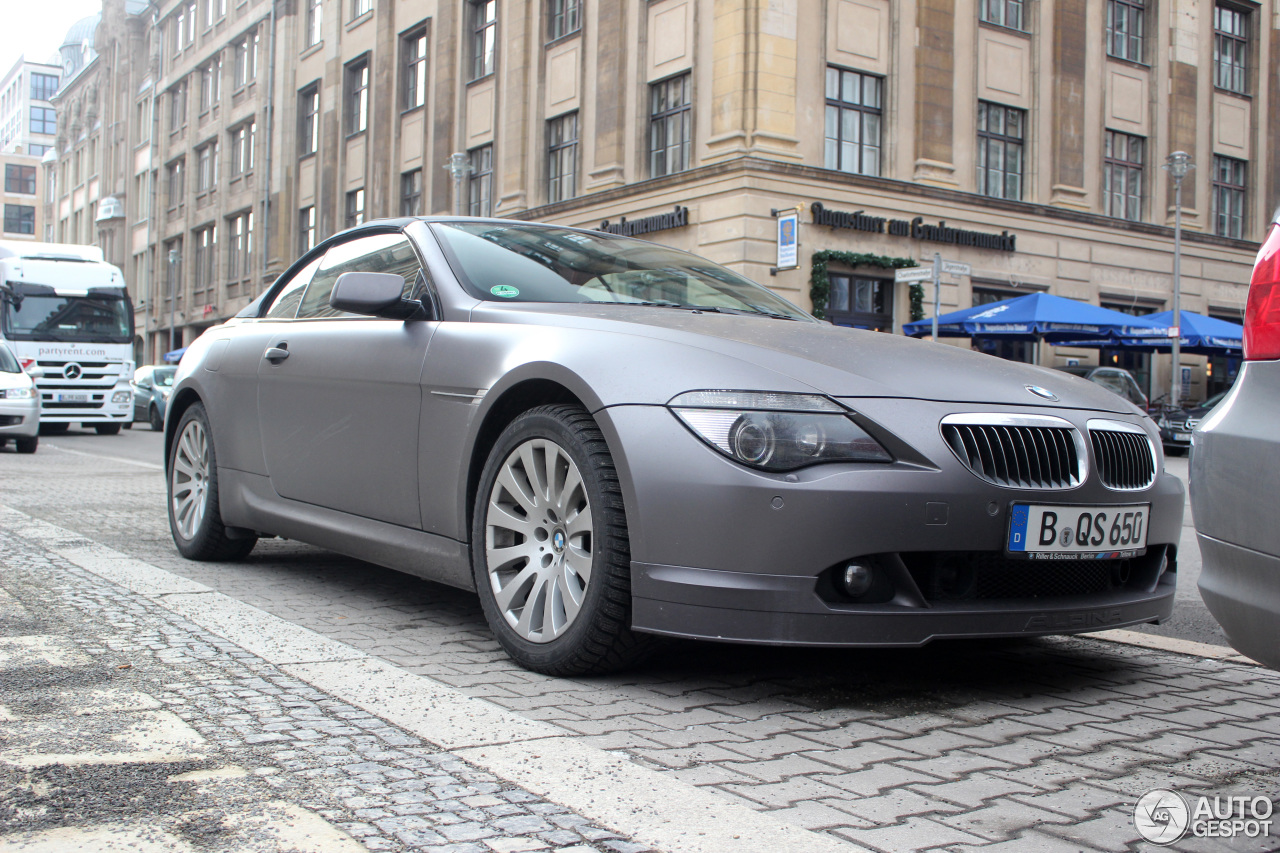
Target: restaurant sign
(678, 218)
(916, 229)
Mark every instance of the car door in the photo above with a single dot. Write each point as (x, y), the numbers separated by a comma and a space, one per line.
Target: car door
(339, 397)
(141, 395)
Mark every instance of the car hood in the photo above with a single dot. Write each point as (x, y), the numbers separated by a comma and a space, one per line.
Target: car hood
(14, 380)
(837, 361)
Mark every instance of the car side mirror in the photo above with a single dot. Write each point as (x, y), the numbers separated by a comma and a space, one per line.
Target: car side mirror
(374, 294)
(35, 372)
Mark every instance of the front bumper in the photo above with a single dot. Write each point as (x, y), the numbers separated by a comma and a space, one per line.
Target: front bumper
(19, 418)
(723, 552)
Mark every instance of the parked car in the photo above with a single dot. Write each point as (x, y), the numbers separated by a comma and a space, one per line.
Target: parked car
(1235, 479)
(1176, 427)
(610, 439)
(151, 387)
(19, 405)
(1116, 379)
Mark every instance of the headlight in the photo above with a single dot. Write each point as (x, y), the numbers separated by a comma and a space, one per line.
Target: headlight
(18, 394)
(776, 432)
(122, 396)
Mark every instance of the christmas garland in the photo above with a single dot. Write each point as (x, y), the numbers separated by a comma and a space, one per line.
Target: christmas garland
(820, 283)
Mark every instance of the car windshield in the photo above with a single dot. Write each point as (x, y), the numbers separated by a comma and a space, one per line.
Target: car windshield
(503, 262)
(164, 376)
(95, 319)
(8, 364)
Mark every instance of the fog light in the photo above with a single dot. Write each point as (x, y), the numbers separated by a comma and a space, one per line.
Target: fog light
(857, 579)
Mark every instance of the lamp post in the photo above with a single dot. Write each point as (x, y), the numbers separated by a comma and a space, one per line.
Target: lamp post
(459, 167)
(1179, 164)
(174, 257)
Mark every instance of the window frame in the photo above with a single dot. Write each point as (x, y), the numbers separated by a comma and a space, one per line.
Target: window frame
(480, 181)
(356, 79)
(863, 111)
(662, 118)
(206, 167)
(17, 177)
(43, 78)
(309, 120)
(44, 120)
(204, 264)
(21, 215)
(307, 229)
(1234, 63)
(564, 18)
(246, 59)
(243, 141)
(562, 157)
(313, 24)
(1225, 187)
(411, 192)
(239, 248)
(175, 182)
(354, 208)
(414, 68)
(987, 139)
(360, 8)
(1127, 26)
(987, 16)
(1125, 166)
(483, 29)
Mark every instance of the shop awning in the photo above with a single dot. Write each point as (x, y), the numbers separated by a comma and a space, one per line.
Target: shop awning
(174, 355)
(1036, 316)
(1198, 334)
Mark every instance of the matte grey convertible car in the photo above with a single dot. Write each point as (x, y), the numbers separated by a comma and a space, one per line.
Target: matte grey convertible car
(610, 440)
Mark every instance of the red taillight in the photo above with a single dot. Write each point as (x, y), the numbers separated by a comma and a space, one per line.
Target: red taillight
(1262, 314)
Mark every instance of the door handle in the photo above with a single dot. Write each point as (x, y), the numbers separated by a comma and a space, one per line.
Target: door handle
(275, 355)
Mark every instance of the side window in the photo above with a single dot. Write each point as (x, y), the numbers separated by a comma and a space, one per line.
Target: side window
(389, 253)
(286, 302)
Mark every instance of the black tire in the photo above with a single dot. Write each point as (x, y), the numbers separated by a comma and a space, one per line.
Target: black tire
(129, 425)
(155, 419)
(107, 429)
(54, 428)
(598, 638)
(26, 445)
(195, 519)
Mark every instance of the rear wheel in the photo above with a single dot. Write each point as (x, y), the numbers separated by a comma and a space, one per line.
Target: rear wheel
(26, 445)
(156, 419)
(194, 517)
(550, 551)
(107, 429)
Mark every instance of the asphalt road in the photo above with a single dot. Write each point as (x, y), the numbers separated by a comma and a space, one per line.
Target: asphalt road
(1190, 621)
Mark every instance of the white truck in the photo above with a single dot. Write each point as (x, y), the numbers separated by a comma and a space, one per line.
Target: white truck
(65, 310)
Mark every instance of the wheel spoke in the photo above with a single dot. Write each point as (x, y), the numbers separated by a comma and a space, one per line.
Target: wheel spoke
(570, 598)
(549, 614)
(501, 517)
(502, 558)
(534, 471)
(580, 562)
(518, 491)
(507, 594)
(530, 609)
(567, 498)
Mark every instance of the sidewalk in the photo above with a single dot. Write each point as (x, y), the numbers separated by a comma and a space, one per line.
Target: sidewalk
(232, 729)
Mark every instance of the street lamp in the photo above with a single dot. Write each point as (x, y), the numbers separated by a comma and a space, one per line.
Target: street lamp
(1179, 164)
(174, 257)
(459, 167)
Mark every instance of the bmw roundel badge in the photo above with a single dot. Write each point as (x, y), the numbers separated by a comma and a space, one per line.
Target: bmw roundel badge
(1044, 393)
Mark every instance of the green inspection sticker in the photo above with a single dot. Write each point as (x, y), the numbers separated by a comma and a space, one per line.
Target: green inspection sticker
(506, 291)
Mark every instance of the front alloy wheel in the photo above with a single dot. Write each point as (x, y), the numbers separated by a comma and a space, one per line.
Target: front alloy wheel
(194, 518)
(551, 556)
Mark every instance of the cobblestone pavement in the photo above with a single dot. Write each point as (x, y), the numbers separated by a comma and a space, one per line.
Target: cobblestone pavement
(1019, 745)
(256, 736)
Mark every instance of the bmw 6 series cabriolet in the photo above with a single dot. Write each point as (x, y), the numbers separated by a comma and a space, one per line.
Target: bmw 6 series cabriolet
(611, 441)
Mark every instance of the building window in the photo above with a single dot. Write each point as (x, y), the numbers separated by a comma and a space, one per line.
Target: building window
(210, 84)
(1002, 13)
(1230, 48)
(43, 86)
(480, 184)
(411, 193)
(413, 53)
(355, 208)
(306, 229)
(206, 240)
(19, 179)
(1228, 197)
(315, 21)
(308, 120)
(178, 107)
(863, 303)
(360, 7)
(174, 177)
(214, 10)
(484, 35)
(1122, 165)
(206, 167)
(566, 18)
(20, 219)
(44, 120)
(246, 59)
(358, 96)
(1126, 28)
(1001, 133)
(39, 151)
(853, 121)
(562, 157)
(242, 139)
(670, 126)
(239, 246)
(173, 270)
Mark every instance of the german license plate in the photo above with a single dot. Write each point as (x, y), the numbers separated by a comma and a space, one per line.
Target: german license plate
(1061, 532)
(72, 398)
(1182, 436)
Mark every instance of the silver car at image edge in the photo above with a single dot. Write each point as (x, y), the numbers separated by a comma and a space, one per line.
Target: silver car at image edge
(613, 441)
(1235, 478)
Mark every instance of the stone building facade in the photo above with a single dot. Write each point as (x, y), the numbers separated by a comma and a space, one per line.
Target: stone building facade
(1024, 138)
